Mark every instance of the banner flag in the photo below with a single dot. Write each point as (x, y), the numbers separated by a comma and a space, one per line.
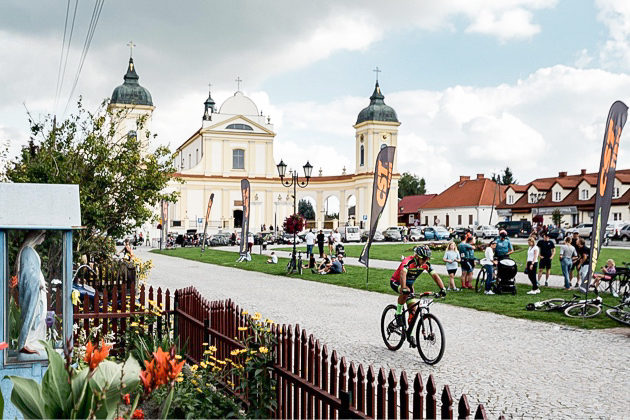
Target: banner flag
(205, 226)
(245, 222)
(380, 191)
(617, 117)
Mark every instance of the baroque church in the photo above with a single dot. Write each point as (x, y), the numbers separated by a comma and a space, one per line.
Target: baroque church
(235, 141)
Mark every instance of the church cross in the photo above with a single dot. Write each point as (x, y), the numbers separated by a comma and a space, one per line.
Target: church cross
(238, 83)
(209, 87)
(130, 44)
(377, 71)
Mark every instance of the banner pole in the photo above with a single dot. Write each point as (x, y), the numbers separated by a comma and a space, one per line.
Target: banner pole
(367, 276)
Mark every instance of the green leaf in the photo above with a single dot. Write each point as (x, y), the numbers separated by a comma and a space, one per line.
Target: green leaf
(55, 387)
(107, 381)
(27, 397)
(81, 395)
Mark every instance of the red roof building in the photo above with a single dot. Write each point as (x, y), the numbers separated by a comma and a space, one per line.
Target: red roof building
(409, 208)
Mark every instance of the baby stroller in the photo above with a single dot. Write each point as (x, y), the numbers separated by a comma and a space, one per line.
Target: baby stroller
(506, 274)
(340, 249)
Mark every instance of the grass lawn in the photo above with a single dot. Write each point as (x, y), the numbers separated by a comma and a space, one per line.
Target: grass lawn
(393, 252)
(509, 305)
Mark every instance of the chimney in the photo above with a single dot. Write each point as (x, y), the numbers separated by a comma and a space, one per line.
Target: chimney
(479, 176)
(582, 171)
(562, 174)
(463, 178)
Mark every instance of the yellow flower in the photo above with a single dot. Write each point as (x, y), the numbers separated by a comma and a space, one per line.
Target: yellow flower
(194, 368)
(203, 364)
(212, 364)
(205, 344)
(252, 352)
(264, 350)
(198, 390)
(179, 379)
(212, 348)
(245, 312)
(234, 352)
(134, 324)
(242, 328)
(193, 382)
(221, 362)
(227, 359)
(178, 357)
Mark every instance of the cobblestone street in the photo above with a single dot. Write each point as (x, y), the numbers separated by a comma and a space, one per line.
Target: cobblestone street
(516, 367)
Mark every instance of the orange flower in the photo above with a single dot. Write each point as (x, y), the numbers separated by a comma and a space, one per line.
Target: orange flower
(14, 282)
(138, 414)
(162, 369)
(127, 399)
(94, 356)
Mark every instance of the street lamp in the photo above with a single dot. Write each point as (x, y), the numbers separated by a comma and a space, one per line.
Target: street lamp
(295, 182)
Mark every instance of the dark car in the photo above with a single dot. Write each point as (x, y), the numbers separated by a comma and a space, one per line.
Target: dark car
(522, 228)
(557, 234)
(392, 234)
(460, 233)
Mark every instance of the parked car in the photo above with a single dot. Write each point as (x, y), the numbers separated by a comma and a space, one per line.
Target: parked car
(436, 234)
(459, 233)
(617, 225)
(378, 236)
(516, 228)
(288, 239)
(218, 239)
(557, 234)
(624, 233)
(415, 234)
(392, 234)
(583, 229)
(350, 234)
(485, 231)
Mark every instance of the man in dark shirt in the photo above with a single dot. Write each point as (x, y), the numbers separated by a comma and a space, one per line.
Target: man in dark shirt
(584, 255)
(574, 241)
(320, 243)
(547, 252)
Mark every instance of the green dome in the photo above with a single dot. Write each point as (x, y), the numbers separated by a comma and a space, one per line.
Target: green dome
(131, 92)
(377, 110)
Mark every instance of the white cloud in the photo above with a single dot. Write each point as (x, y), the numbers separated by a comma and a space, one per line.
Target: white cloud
(510, 24)
(615, 14)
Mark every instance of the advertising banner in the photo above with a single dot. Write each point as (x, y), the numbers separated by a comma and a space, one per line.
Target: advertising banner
(617, 117)
(380, 191)
(205, 226)
(245, 222)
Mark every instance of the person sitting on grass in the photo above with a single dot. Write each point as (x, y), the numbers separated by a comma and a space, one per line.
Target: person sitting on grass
(311, 262)
(336, 267)
(608, 271)
(273, 258)
(322, 265)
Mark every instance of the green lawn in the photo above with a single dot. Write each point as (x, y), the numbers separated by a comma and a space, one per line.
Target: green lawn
(393, 252)
(355, 277)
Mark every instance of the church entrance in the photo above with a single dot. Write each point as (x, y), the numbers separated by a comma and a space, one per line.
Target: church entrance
(238, 218)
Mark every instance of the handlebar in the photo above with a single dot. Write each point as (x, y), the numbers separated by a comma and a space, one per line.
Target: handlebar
(76, 272)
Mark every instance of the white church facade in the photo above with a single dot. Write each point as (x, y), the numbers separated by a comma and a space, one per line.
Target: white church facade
(235, 141)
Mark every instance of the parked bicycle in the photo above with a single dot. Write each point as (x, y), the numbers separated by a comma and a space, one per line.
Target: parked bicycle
(429, 340)
(621, 312)
(295, 264)
(574, 308)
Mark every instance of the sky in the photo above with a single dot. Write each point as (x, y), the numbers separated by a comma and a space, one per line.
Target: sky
(478, 85)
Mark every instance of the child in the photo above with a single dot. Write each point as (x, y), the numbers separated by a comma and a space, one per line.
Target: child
(273, 259)
(451, 258)
(607, 272)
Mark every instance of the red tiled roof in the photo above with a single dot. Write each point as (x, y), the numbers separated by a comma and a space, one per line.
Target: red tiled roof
(411, 203)
(474, 192)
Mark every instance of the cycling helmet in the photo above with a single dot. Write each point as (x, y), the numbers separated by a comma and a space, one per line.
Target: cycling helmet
(422, 251)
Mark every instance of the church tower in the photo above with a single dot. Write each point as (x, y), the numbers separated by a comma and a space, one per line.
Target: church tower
(376, 127)
(131, 104)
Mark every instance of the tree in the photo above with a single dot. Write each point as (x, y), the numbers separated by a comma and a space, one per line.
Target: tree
(119, 182)
(505, 179)
(409, 184)
(305, 209)
(556, 217)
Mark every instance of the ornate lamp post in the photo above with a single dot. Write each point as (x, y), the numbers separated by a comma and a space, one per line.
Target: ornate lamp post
(295, 182)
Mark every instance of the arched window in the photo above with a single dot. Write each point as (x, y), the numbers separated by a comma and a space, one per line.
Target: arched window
(238, 159)
(239, 127)
(362, 156)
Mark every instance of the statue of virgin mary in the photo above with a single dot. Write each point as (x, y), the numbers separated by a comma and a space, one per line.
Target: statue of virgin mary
(32, 295)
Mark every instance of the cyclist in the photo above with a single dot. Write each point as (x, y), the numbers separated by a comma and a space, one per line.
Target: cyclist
(404, 277)
(504, 246)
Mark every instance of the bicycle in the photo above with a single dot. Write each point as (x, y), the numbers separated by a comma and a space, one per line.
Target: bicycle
(621, 312)
(430, 339)
(620, 281)
(574, 308)
(295, 264)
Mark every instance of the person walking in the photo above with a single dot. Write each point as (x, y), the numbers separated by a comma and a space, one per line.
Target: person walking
(575, 239)
(567, 254)
(467, 255)
(451, 258)
(250, 241)
(331, 240)
(320, 243)
(584, 259)
(532, 265)
(547, 252)
(488, 263)
(310, 242)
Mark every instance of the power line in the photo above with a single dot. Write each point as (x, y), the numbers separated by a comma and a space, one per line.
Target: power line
(96, 13)
(63, 44)
(63, 73)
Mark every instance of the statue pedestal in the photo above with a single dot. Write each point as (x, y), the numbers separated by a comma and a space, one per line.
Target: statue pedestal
(40, 357)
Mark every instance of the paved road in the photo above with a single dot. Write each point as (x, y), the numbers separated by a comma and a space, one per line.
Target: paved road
(516, 367)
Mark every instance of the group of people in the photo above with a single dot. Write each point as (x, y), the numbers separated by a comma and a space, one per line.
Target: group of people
(333, 239)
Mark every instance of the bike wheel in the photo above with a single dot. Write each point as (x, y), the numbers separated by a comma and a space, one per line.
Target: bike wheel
(552, 304)
(430, 339)
(299, 267)
(582, 310)
(480, 284)
(619, 315)
(393, 335)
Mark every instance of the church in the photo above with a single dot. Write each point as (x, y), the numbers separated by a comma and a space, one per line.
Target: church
(235, 141)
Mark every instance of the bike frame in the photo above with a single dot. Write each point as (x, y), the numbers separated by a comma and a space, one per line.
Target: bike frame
(420, 306)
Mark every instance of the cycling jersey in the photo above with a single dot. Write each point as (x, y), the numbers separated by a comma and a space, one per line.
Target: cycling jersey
(413, 270)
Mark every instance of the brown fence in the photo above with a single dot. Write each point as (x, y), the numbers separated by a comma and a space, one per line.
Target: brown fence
(313, 382)
(109, 275)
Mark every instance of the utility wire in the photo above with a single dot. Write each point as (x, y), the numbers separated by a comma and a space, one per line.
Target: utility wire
(63, 73)
(96, 13)
(63, 44)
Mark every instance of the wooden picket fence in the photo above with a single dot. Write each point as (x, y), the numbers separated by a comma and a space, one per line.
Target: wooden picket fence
(313, 381)
(109, 275)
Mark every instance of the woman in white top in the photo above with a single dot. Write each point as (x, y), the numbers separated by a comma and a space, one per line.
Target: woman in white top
(532, 265)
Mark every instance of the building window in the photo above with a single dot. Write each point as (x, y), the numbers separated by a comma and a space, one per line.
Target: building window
(558, 196)
(196, 156)
(616, 192)
(189, 160)
(238, 159)
(510, 199)
(470, 219)
(362, 155)
(616, 216)
(239, 127)
(459, 220)
(426, 220)
(584, 195)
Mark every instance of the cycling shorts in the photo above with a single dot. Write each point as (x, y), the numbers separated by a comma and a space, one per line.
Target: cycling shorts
(468, 266)
(396, 287)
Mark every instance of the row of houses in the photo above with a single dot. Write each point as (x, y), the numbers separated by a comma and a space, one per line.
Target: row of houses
(481, 201)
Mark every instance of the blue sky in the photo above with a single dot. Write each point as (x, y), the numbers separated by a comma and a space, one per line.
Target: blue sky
(477, 85)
